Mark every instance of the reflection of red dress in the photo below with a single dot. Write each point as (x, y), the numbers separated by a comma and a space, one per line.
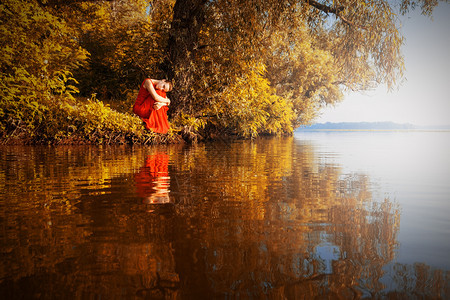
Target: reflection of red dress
(153, 181)
(155, 120)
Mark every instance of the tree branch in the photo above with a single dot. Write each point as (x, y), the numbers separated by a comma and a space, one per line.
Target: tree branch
(334, 10)
(324, 8)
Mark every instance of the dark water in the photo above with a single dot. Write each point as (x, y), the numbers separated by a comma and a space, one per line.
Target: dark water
(337, 215)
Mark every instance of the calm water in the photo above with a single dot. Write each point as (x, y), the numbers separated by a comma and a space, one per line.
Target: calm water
(327, 215)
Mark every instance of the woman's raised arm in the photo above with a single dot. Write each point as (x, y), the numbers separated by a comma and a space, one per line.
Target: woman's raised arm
(149, 87)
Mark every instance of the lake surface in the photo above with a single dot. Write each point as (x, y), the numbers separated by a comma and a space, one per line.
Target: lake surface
(327, 215)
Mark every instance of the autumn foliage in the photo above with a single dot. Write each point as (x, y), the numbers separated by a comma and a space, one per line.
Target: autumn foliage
(240, 68)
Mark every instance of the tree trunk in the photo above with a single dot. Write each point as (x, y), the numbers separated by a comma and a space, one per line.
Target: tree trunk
(188, 18)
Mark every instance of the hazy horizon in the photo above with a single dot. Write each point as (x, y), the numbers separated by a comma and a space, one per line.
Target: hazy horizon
(423, 98)
(376, 125)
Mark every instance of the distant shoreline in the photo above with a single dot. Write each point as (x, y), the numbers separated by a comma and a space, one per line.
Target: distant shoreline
(370, 126)
(373, 130)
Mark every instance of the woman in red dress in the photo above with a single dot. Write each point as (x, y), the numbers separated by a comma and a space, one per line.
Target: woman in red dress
(152, 104)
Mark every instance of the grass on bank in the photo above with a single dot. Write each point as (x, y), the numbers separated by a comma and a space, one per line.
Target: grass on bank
(69, 121)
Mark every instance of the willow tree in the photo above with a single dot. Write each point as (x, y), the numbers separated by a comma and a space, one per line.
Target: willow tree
(309, 52)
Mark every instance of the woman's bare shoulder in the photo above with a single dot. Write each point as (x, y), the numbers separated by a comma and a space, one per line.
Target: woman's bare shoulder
(148, 82)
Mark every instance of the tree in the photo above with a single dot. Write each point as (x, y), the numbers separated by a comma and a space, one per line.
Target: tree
(312, 51)
(38, 54)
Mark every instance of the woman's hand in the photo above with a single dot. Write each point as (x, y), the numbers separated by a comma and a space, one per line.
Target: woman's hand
(158, 105)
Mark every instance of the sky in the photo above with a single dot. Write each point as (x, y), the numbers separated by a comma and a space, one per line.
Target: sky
(424, 97)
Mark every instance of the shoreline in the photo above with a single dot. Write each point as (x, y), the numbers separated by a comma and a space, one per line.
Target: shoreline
(126, 139)
(373, 130)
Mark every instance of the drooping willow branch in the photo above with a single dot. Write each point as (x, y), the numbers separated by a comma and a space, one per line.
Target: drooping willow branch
(333, 10)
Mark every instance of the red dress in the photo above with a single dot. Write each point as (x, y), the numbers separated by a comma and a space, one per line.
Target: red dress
(155, 120)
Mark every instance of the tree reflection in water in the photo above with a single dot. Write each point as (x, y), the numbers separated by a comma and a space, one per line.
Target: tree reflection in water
(244, 219)
(281, 224)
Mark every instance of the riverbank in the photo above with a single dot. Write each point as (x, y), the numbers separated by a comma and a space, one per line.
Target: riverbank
(70, 121)
(96, 138)
(76, 123)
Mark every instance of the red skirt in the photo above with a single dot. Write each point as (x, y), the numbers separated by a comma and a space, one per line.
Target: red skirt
(155, 120)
